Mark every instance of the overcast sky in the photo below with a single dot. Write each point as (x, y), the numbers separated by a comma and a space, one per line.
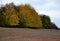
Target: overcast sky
(47, 7)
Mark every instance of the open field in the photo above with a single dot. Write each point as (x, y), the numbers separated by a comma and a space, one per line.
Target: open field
(25, 34)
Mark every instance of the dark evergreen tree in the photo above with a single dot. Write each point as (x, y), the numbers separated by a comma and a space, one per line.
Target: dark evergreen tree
(46, 21)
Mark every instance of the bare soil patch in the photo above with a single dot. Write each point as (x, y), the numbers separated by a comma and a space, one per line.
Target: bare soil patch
(25, 34)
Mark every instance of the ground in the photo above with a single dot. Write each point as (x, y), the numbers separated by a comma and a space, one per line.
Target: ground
(25, 34)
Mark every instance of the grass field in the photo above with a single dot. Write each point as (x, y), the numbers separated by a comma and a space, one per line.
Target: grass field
(25, 34)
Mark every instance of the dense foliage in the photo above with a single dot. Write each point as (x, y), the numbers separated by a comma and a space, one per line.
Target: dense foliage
(46, 22)
(30, 16)
(10, 15)
(53, 26)
(23, 16)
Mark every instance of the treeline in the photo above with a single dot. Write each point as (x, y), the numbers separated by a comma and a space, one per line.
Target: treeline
(24, 16)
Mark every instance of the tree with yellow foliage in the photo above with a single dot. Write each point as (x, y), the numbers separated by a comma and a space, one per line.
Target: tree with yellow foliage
(10, 15)
(30, 16)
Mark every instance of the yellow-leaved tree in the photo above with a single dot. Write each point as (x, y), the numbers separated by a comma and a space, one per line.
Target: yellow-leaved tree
(30, 16)
(10, 15)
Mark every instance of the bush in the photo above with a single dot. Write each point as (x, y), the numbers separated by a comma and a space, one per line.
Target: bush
(53, 26)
